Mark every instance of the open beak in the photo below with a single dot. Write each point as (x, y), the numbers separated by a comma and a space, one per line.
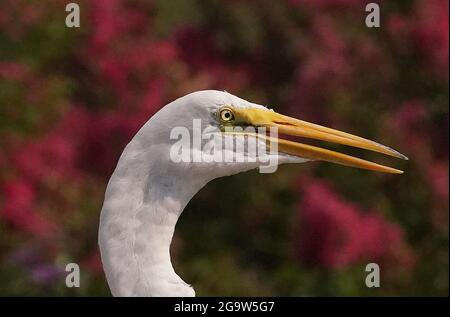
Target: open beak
(295, 127)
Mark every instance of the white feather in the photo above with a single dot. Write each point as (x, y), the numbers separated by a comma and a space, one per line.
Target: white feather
(148, 192)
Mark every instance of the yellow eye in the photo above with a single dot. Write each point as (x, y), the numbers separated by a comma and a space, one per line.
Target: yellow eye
(226, 115)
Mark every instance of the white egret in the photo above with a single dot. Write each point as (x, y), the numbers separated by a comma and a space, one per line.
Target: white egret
(148, 190)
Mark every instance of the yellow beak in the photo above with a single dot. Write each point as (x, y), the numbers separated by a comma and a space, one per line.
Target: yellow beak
(294, 127)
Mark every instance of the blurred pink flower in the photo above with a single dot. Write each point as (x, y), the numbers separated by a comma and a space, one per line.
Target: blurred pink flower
(123, 52)
(152, 99)
(106, 21)
(17, 16)
(328, 4)
(20, 210)
(324, 67)
(398, 25)
(409, 123)
(424, 31)
(438, 178)
(13, 71)
(93, 262)
(115, 71)
(336, 233)
(105, 140)
(409, 114)
(431, 33)
(49, 157)
(151, 53)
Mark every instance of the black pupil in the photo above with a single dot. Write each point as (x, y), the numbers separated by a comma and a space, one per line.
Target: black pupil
(226, 115)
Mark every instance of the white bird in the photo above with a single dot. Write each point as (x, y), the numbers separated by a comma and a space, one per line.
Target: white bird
(148, 190)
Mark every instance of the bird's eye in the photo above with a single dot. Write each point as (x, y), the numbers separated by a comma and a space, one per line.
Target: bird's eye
(226, 115)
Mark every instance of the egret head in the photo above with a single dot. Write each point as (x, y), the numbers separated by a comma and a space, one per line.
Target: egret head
(218, 134)
(192, 140)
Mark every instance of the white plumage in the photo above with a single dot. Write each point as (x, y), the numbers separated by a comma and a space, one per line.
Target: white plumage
(148, 191)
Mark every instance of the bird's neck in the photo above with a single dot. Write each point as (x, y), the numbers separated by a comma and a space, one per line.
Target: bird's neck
(137, 223)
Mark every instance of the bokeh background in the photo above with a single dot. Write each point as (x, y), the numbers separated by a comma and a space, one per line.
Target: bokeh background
(70, 99)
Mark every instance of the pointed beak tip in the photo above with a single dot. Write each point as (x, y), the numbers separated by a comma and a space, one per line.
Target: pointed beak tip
(400, 155)
(295, 127)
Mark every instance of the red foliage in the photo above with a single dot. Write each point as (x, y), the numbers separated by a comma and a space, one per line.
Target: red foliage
(438, 178)
(13, 71)
(336, 233)
(431, 34)
(19, 208)
(425, 32)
